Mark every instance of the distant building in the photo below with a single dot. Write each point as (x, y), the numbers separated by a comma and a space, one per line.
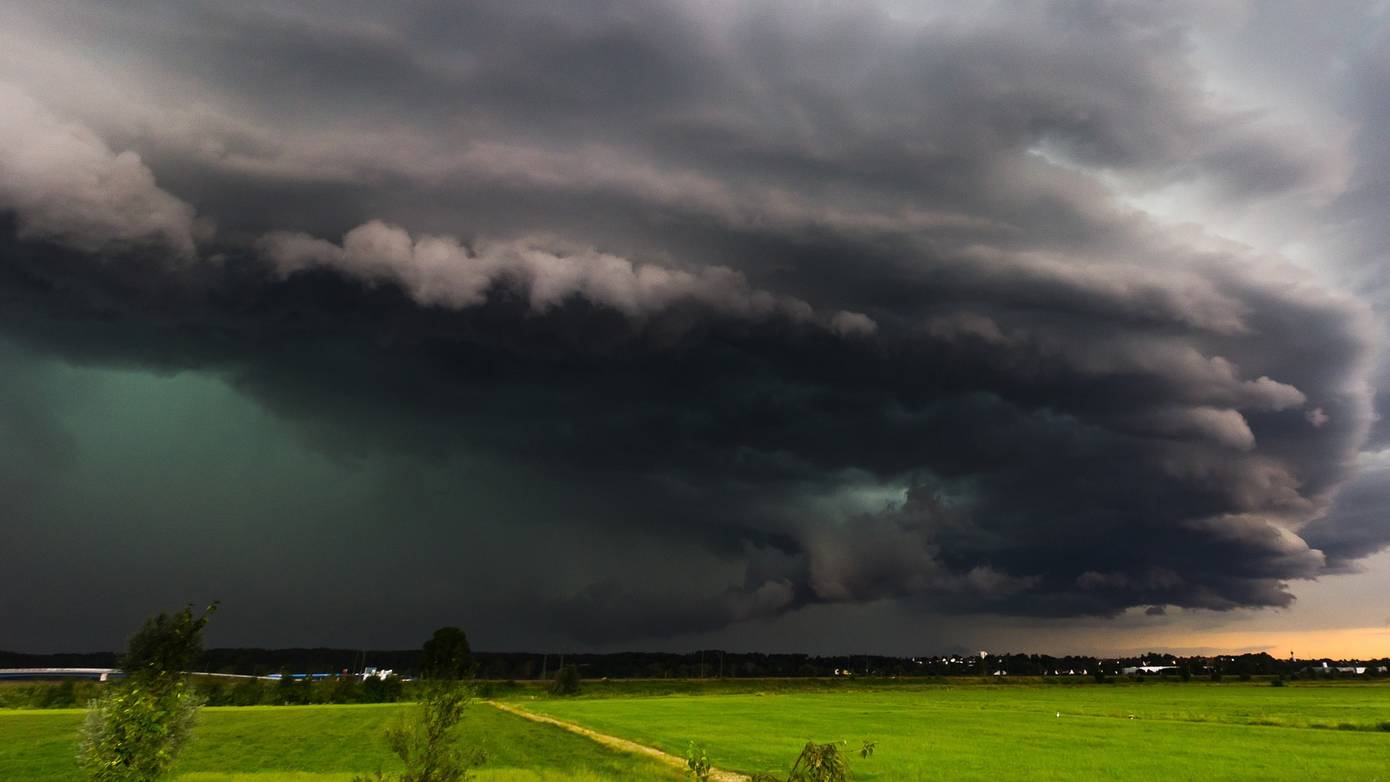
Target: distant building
(1147, 669)
(1356, 669)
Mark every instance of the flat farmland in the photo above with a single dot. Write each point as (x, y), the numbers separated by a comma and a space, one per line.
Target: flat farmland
(969, 731)
(322, 744)
(1155, 731)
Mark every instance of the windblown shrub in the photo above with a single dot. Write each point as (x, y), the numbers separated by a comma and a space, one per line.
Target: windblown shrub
(425, 740)
(820, 763)
(697, 763)
(134, 732)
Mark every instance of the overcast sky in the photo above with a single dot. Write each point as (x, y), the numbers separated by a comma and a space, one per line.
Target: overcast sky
(833, 327)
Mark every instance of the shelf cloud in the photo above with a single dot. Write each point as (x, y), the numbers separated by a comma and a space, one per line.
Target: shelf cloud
(774, 308)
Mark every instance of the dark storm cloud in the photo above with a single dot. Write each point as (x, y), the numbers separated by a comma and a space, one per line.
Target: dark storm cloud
(837, 298)
(1358, 525)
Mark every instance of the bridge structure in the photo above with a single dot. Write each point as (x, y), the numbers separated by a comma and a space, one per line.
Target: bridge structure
(104, 674)
(100, 674)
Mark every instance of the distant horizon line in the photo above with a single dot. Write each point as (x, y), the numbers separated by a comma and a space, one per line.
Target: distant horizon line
(1184, 653)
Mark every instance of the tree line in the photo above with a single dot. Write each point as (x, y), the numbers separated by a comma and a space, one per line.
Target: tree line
(708, 664)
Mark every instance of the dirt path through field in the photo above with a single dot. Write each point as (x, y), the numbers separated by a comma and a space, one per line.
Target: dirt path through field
(622, 745)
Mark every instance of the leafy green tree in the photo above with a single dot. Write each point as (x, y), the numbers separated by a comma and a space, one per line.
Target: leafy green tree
(446, 656)
(344, 689)
(378, 690)
(286, 691)
(62, 696)
(167, 646)
(134, 732)
(215, 694)
(567, 681)
(247, 692)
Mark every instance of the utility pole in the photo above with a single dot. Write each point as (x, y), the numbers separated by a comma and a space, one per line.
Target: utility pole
(545, 662)
(721, 663)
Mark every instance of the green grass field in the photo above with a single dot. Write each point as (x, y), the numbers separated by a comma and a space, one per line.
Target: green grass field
(1178, 731)
(1155, 731)
(321, 744)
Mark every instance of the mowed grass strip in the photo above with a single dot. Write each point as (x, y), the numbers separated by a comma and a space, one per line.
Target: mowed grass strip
(323, 744)
(1341, 706)
(1013, 733)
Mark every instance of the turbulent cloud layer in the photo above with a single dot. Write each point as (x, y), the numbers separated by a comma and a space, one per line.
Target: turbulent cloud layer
(438, 271)
(67, 186)
(849, 306)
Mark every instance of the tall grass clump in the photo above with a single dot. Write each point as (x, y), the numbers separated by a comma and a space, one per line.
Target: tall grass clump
(820, 763)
